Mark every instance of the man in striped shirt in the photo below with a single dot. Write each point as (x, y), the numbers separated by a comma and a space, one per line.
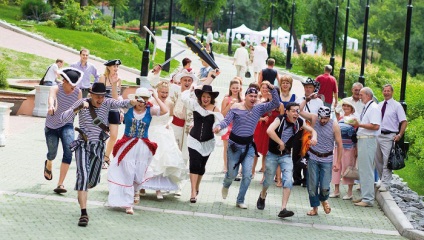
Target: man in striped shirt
(320, 163)
(89, 148)
(241, 150)
(61, 98)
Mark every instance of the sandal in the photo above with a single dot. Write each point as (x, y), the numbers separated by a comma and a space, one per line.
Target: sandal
(83, 221)
(313, 212)
(193, 200)
(106, 163)
(136, 198)
(49, 172)
(129, 210)
(60, 189)
(279, 183)
(326, 206)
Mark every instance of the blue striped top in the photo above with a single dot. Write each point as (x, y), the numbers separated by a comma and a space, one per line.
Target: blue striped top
(244, 121)
(325, 141)
(64, 102)
(85, 119)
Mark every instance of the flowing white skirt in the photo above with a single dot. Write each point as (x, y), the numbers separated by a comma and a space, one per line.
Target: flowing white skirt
(167, 170)
(125, 179)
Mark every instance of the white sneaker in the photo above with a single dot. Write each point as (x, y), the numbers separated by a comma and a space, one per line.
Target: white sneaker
(241, 205)
(159, 195)
(224, 192)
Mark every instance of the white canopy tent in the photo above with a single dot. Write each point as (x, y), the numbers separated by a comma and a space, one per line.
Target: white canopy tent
(239, 30)
(352, 43)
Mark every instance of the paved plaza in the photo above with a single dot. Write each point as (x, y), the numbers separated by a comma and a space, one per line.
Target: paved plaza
(29, 209)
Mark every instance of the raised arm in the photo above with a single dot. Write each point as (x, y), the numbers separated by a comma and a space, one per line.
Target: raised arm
(162, 105)
(211, 76)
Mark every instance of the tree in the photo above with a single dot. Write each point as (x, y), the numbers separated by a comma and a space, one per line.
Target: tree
(196, 9)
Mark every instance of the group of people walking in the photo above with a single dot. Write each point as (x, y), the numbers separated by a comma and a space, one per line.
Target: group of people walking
(174, 125)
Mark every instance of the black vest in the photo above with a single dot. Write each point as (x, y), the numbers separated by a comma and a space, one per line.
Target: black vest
(202, 128)
(269, 75)
(273, 146)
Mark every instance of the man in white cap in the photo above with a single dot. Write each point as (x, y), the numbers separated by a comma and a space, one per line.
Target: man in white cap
(61, 98)
(93, 132)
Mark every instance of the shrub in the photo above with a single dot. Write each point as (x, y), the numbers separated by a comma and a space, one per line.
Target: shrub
(133, 24)
(414, 134)
(278, 55)
(35, 10)
(60, 22)
(3, 76)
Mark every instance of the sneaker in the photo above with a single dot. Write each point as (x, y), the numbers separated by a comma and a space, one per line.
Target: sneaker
(159, 195)
(348, 197)
(241, 205)
(224, 192)
(260, 204)
(285, 213)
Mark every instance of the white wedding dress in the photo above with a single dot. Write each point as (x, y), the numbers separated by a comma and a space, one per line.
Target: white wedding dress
(167, 170)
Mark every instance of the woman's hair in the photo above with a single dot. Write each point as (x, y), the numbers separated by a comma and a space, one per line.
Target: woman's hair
(162, 84)
(199, 99)
(107, 71)
(254, 85)
(286, 78)
(234, 81)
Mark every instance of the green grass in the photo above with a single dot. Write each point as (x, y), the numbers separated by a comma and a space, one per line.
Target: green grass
(24, 65)
(413, 176)
(98, 44)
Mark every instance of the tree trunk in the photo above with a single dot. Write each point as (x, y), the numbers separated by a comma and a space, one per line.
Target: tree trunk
(83, 3)
(196, 26)
(296, 43)
(145, 17)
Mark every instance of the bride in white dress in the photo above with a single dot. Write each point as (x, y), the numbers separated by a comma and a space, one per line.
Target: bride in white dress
(167, 170)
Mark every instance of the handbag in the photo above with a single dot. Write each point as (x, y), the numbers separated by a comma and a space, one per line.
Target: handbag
(42, 79)
(247, 74)
(351, 172)
(396, 158)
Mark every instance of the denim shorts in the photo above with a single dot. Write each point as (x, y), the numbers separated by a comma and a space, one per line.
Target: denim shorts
(286, 164)
(66, 136)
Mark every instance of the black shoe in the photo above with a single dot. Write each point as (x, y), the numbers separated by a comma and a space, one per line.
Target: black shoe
(304, 185)
(297, 183)
(237, 179)
(285, 213)
(260, 204)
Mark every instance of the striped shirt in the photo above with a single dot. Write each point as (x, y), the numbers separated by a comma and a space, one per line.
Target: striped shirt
(64, 102)
(325, 141)
(86, 121)
(88, 70)
(245, 121)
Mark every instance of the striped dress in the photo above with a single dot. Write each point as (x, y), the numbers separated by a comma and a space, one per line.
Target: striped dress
(64, 102)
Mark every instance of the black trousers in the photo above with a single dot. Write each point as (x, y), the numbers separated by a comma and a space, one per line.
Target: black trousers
(297, 166)
(197, 162)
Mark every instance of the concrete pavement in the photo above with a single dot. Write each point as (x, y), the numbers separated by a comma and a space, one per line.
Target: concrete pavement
(30, 210)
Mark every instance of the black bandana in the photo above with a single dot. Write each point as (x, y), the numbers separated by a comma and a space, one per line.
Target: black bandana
(251, 90)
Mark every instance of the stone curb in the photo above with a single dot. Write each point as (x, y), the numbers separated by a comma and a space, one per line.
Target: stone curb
(66, 48)
(397, 217)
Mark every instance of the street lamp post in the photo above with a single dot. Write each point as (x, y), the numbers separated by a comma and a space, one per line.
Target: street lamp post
(342, 74)
(230, 41)
(203, 24)
(268, 49)
(168, 44)
(404, 145)
(114, 17)
(332, 59)
(364, 43)
(154, 21)
(289, 48)
(146, 52)
(140, 30)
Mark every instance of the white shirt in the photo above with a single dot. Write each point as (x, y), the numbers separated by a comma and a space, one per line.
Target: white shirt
(372, 115)
(241, 57)
(359, 106)
(209, 38)
(51, 73)
(311, 106)
(393, 115)
(260, 56)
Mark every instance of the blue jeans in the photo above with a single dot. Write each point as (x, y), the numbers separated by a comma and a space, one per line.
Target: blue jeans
(319, 175)
(286, 165)
(231, 174)
(66, 136)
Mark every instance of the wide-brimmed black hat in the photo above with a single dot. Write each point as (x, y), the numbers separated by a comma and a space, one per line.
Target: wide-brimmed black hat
(310, 81)
(207, 89)
(72, 75)
(98, 88)
(113, 62)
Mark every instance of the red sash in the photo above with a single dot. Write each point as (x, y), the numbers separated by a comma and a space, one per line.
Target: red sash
(178, 121)
(151, 145)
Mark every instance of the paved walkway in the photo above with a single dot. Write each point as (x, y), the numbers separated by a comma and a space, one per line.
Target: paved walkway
(30, 210)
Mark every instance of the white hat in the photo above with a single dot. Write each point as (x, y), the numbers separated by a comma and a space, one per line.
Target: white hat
(185, 73)
(348, 102)
(140, 92)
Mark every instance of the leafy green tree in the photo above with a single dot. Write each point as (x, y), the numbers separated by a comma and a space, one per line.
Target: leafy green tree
(196, 9)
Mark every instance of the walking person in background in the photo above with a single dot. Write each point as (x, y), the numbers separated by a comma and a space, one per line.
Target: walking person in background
(328, 87)
(88, 69)
(392, 116)
(209, 40)
(53, 73)
(241, 150)
(234, 96)
(241, 60)
(110, 78)
(201, 140)
(269, 74)
(89, 147)
(61, 98)
(133, 152)
(259, 58)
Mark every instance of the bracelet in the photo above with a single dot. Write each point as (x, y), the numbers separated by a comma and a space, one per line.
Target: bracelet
(213, 76)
